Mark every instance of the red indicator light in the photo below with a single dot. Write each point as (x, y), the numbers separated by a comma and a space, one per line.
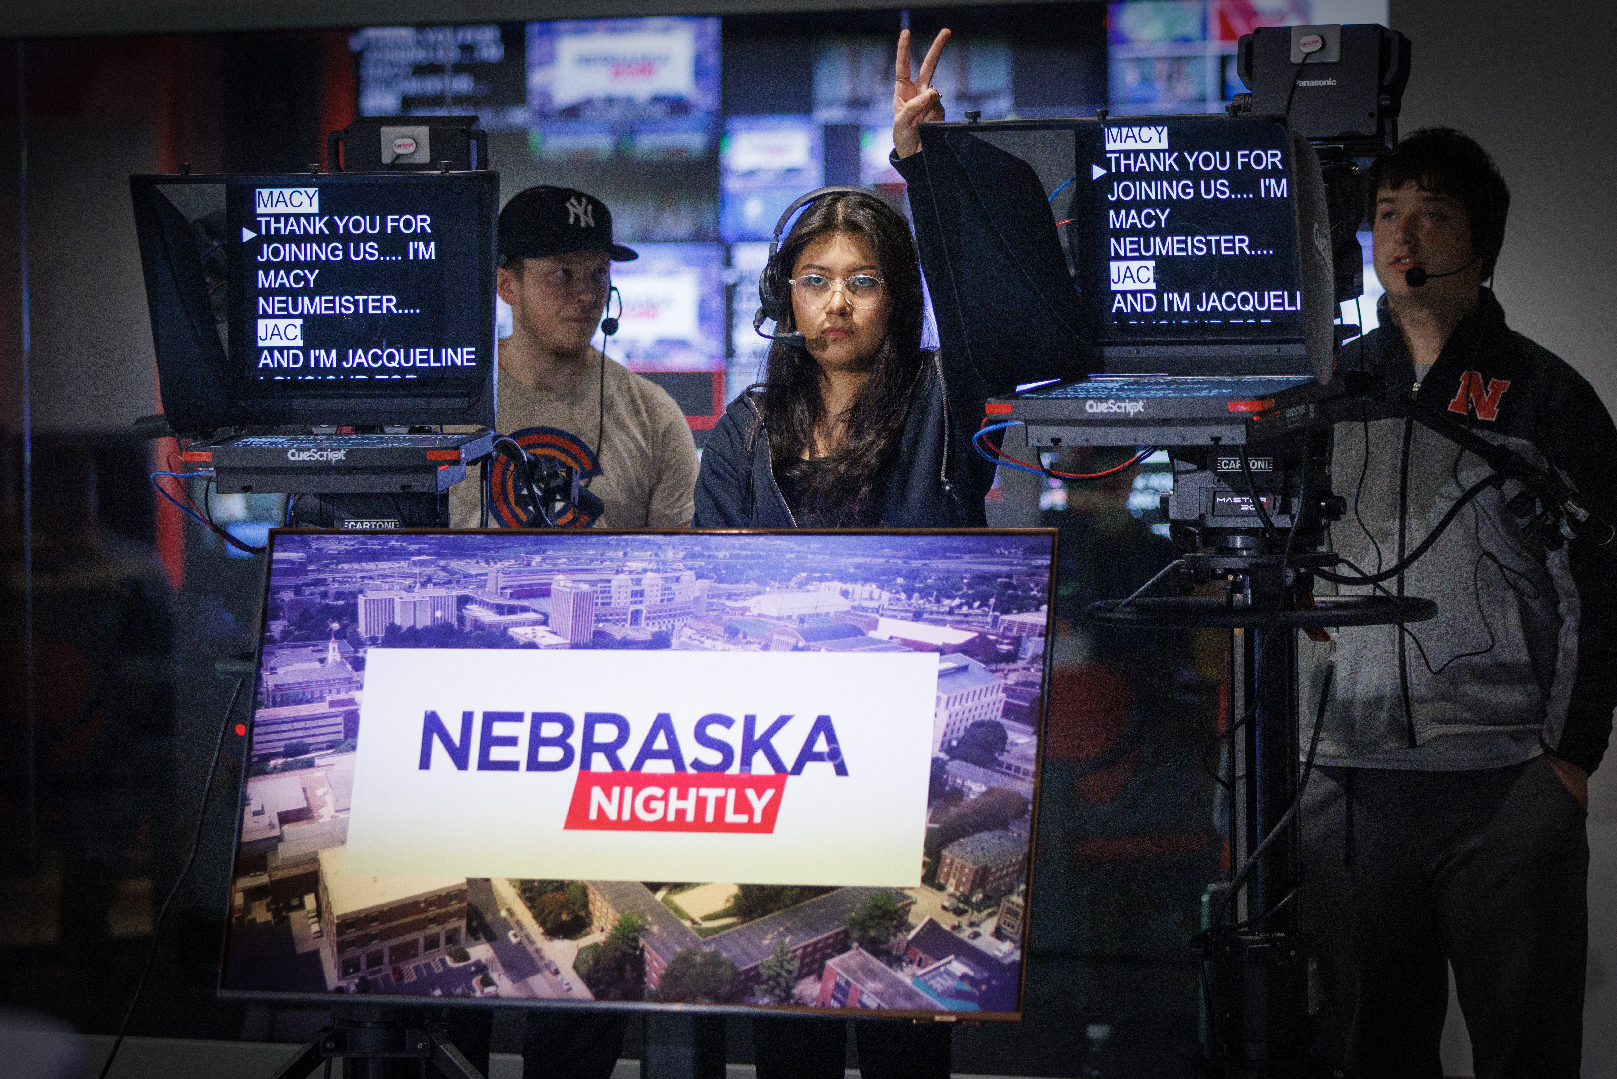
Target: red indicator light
(241, 730)
(997, 408)
(1252, 406)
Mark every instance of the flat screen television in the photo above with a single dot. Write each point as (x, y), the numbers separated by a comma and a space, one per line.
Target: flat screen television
(634, 770)
(335, 299)
(765, 163)
(672, 308)
(639, 89)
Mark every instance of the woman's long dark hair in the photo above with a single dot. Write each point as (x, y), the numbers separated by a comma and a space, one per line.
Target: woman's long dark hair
(841, 487)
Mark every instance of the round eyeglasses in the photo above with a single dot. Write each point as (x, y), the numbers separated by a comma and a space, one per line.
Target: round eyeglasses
(860, 289)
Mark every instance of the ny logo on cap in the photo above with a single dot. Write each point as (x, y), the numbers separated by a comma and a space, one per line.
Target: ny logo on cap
(580, 212)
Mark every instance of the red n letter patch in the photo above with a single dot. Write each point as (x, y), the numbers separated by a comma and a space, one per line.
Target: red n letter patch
(1472, 397)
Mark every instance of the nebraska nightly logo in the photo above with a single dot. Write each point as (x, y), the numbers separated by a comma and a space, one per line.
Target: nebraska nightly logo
(715, 790)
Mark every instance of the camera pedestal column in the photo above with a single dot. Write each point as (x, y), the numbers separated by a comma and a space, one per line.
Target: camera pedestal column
(683, 1047)
(1255, 972)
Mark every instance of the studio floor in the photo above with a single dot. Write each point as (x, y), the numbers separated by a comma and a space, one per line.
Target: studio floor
(178, 1058)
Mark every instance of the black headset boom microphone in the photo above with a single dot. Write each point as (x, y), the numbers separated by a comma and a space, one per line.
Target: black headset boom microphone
(609, 324)
(774, 288)
(1415, 277)
(1493, 240)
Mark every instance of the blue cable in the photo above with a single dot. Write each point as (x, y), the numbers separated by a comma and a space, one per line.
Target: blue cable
(1058, 190)
(976, 443)
(187, 510)
(1005, 462)
(202, 474)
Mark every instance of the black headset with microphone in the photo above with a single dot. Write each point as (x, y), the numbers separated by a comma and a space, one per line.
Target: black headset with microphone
(774, 284)
(1415, 277)
(609, 324)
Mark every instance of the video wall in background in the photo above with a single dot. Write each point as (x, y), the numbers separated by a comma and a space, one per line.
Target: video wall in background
(699, 131)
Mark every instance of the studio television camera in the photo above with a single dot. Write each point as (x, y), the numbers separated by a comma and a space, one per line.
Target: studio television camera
(1175, 282)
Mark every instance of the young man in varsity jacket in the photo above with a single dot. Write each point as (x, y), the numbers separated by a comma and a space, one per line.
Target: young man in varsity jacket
(1444, 821)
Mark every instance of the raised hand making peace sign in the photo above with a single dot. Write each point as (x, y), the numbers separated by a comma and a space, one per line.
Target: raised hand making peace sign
(915, 102)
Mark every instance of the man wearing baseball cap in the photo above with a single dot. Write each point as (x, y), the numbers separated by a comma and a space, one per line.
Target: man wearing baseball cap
(559, 394)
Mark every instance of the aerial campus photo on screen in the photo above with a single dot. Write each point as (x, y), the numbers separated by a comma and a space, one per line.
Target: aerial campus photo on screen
(299, 923)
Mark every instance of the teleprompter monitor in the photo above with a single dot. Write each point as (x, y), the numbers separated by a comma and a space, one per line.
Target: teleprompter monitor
(1179, 245)
(349, 299)
(739, 770)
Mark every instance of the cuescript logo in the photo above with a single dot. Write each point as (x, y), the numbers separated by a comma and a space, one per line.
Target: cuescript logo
(1130, 408)
(316, 455)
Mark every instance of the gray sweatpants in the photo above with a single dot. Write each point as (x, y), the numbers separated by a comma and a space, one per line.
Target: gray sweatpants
(1407, 872)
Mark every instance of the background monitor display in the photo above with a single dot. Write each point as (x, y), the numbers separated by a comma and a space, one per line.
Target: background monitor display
(765, 163)
(362, 865)
(876, 157)
(748, 351)
(445, 71)
(673, 308)
(646, 89)
(853, 77)
(1179, 56)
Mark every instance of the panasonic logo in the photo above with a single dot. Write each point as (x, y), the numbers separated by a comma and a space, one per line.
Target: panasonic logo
(1131, 408)
(316, 455)
(1316, 82)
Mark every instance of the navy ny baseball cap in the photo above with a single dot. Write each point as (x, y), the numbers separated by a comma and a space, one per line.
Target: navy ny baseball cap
(544, 221)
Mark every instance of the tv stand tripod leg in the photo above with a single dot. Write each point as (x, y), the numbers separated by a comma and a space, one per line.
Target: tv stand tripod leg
(309, 1058)
(449, 1060)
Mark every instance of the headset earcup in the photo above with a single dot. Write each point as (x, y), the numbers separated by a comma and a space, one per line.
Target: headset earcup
(766, 294)
(770, 293)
